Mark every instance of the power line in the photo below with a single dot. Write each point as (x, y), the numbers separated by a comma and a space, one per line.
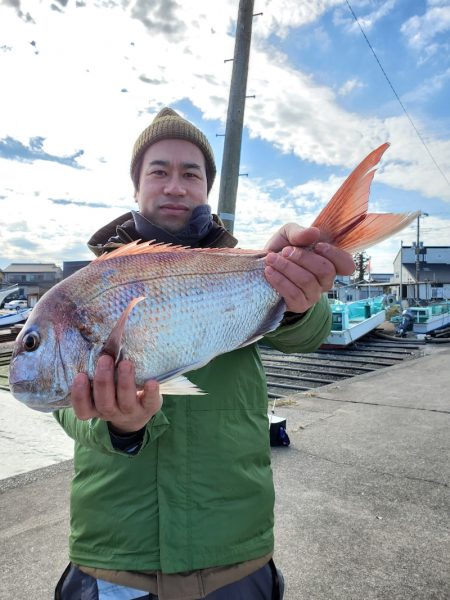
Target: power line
(397, 96)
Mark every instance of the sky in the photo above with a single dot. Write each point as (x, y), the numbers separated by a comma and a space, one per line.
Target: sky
(81, 79)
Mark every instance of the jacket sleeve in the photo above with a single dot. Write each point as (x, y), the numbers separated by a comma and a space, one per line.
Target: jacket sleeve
(307, 333)
(94, 433)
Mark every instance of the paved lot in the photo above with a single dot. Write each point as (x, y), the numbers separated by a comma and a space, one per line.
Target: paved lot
(363, 499)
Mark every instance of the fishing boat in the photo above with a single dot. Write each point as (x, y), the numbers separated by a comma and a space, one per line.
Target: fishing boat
(13, 317)
(5, 292)
(352, 320)
(429, 318)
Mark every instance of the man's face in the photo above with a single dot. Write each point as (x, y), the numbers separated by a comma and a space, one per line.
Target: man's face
(172, 183)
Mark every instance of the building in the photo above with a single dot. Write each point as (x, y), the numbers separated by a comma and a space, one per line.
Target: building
(422, 272)
(33, 279)
(71, 266)
(347, 290)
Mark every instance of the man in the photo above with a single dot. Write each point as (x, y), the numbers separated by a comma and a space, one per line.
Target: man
(174, 499)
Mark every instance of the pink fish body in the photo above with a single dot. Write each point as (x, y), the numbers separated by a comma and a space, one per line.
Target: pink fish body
(169, 310)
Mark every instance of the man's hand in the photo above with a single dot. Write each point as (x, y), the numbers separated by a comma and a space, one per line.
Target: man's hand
(126, 409)
(300, 275)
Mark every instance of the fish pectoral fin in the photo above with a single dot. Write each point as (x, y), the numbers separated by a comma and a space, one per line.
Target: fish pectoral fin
(180, 386)
(251, 341)
(113, 345)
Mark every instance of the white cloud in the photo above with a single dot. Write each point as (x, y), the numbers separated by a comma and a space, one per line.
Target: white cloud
(428, 88)
(284, 15)
(40, 227)
(423, 33)
(366, 20)
(369, 20)
(348, 87)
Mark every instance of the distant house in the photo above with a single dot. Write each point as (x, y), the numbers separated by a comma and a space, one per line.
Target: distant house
(422, 272)
(71, 266)
(347, 290)
(33, 279)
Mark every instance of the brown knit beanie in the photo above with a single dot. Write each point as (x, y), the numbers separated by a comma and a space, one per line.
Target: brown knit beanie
(165, 126)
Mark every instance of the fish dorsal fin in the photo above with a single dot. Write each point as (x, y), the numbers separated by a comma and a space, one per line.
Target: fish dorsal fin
(349, 204)
(139, 248)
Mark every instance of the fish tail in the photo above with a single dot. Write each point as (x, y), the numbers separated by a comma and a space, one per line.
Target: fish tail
(374, 229)
(345, 222)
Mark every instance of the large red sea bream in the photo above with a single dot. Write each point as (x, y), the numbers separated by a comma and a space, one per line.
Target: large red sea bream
(171, 309)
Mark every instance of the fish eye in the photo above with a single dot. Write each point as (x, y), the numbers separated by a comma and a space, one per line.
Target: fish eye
(31, 341)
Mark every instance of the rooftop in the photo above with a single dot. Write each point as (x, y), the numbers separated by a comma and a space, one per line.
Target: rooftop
(32, 268)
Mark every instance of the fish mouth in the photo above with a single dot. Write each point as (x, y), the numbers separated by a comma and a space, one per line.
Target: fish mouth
(19, 387)
(24, 392)
(64, 403)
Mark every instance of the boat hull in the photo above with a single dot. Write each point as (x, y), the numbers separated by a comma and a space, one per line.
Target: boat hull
(352, 320)
(12, 318)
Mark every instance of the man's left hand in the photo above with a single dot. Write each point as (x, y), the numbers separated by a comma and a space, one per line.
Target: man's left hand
(299, 273)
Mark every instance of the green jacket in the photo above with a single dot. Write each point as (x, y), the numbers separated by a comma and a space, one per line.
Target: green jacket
(199, 493)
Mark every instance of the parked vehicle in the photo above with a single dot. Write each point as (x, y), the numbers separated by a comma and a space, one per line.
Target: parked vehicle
(16, 304)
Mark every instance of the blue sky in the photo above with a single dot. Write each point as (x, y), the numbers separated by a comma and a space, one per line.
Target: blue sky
(81, 79)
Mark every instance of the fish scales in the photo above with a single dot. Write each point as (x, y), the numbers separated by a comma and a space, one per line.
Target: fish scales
(195, 305)
(182, 298)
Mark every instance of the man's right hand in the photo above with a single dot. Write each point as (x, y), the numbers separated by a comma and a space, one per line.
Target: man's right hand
(122, 405)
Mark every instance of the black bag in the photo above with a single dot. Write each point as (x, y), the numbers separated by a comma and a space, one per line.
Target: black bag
(277, 430)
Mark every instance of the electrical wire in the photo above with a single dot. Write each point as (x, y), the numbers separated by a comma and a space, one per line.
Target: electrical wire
(397, 96)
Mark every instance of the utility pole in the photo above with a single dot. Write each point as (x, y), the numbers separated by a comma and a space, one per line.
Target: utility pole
(419, 214)
(235, 116)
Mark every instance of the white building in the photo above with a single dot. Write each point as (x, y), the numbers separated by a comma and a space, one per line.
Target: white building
(422, 273)
(32, 279)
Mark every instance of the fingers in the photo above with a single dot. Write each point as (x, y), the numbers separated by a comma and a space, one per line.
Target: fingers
(299, 276)
(126, 388)
(292, 235)
(104, 388)
(135, 409)
(150, 398)
(342, 260)
(81, 399)
(301, 236)
(294, 297)
(120, 403)
(297, 272)
(317, 268)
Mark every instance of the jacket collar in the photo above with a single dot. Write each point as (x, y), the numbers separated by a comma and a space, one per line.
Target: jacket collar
(123, 231)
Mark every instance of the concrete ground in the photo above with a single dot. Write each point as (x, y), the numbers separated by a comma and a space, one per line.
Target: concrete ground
(363, 499)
